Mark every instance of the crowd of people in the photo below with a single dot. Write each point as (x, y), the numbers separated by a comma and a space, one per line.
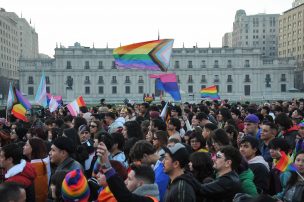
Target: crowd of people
(210, 151)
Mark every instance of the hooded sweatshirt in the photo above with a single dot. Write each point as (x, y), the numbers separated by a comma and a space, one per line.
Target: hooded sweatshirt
(24, 174)
(261, 170)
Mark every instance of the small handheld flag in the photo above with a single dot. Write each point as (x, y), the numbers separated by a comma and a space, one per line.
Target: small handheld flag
(210, 92)
(41, 97)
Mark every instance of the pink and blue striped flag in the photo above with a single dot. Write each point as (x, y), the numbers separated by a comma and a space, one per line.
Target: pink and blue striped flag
(168, 83)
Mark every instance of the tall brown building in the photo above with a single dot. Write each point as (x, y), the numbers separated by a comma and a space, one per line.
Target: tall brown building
(291, 39)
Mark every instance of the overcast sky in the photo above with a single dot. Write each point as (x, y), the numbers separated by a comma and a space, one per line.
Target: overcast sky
(129, 21)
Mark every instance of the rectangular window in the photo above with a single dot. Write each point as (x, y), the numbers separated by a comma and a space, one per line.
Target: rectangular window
(30, 80)
(216, 78)
(190, 64)
(113, 65)
(100, 65)
(127, 89)
(247, 78)
(229, 64)
(48, 89)
(87, 65)
(176, 64)
(283, 77)
(216, 64)
(203, 64)
(229, 88)
(203, 86)
(218, 88)
(127, 79)
(283, 87)
(100, 80)
(87, 90)
(190, 80)
(30, 90)
(114, 79)
(100, 89)
(140, 79)
(177, 78)
(247, 64)
(114, 89)
(247, 90)
(229, 78)
(47, 80)
(190, 89)
(68, 65)
(87, 80)
(203, 80)
(140, 89)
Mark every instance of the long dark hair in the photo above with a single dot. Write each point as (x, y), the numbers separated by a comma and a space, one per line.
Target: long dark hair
(202, 165)
(294, 176)
(39, 150)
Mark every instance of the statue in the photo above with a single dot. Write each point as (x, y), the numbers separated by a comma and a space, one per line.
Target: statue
(69, 82)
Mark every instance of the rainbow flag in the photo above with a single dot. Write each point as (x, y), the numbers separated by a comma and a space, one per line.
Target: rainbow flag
(20, 105)
(19, 112)
(285, 163)
(168, 83)
(210, 92)
(150, 55)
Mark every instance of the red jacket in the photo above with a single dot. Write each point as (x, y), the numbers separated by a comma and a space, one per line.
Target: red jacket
(25, 177)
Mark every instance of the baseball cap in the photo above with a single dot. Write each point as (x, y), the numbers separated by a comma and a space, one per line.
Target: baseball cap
(178, 152)
(251, 118)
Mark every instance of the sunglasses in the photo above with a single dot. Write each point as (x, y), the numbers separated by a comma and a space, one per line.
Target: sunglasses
(219, 155)
(92, 126)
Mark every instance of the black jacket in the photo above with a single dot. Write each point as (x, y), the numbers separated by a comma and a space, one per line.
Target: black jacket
(261, 177)
(181, 189)
(222, 189)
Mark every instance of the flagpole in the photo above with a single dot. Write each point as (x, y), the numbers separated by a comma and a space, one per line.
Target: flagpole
(300, 175)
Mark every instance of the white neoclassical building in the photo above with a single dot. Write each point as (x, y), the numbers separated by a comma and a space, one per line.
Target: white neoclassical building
(239, 73)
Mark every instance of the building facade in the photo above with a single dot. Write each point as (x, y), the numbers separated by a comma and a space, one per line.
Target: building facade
(291, 40)
(257, 31)
(239, 73)
(227, 40)
(17, 39)
(297, 3)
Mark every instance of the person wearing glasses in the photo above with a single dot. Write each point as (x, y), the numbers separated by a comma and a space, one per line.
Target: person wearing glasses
(95, 127)
(227, 182)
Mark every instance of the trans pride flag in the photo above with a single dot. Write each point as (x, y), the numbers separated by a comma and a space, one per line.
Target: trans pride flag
(168, 83)
(150, 55)
(210, 92)
(41, 97)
